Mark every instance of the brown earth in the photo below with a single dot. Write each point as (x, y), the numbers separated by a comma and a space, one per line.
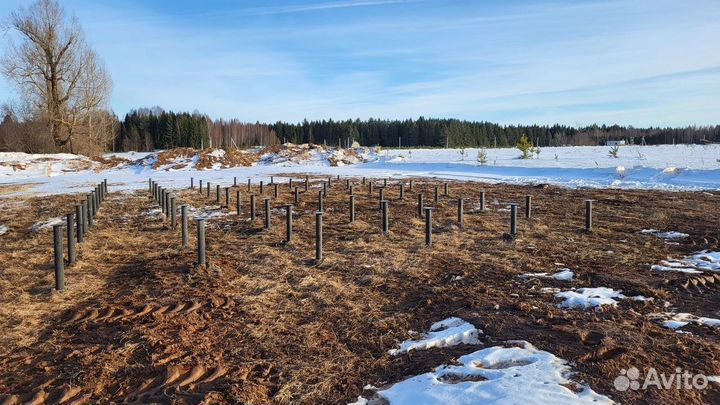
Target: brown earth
(206, 159)
(138, 323)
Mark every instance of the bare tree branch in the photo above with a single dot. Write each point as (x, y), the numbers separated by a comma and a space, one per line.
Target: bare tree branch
(55, 69)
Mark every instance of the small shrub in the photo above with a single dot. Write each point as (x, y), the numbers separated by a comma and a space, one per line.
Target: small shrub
(482, 156)
(536, 151)
(613, 152)
(525, 146)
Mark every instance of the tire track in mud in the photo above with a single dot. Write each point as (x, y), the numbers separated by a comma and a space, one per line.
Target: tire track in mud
(48, 380)
(192, 381)
(164, 382)
(699, 283)
(110, 313)
(176, 379)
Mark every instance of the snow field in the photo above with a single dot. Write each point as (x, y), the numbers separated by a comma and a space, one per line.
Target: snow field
(666, 167)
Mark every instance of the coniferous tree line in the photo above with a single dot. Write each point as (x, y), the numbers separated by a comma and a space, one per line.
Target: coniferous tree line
(456, 133)
(146, 129)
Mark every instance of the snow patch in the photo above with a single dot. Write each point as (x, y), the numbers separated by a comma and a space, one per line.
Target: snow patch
(596, 297)
(208, 212)
(693, 264)
(152, 213)
(217, 153)
(496, 375)
(448, 332)
(678, 320)
(563, 274)
(42, 225)
(670, 235)
(3, 229)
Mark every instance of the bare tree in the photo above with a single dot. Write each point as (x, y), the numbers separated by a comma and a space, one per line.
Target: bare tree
(55, 69)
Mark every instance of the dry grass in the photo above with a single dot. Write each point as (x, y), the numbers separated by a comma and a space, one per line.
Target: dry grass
(6, 189)
(104, 163)
(274, 328)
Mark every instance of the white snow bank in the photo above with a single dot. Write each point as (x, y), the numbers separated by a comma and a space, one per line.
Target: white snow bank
(563, 274)
(669, 235)
(14, 165)
(593, 297)
(448, 332)
(676, 321)
(574, 167)
(694, 264)
(496, 375)
(21, 157)
(39, 226)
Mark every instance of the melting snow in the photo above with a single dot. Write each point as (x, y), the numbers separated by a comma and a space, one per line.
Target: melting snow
(499, 375)
(694, 264)
(39, 226)
(152, 213)
(218, 153)
(208, 212)
(3, 229)
(317, 155)
(676, 321)
(593, 297)
(563, 274)
(669, 235)
(448, 332)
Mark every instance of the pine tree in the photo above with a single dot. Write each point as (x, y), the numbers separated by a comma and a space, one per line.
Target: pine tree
(525, 146)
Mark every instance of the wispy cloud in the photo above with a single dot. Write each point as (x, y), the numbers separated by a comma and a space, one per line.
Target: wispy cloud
(636, 62)
(321, 6)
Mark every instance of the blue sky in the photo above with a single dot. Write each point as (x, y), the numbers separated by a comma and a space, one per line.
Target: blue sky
(630, 62)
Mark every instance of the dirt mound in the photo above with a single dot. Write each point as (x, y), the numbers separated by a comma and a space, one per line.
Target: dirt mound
(108, 162)
(291, 154)
(185, 158)
(212, 158)
(173, 157)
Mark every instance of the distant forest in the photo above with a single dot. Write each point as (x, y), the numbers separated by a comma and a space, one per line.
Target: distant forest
(455, 133)
(148, 129)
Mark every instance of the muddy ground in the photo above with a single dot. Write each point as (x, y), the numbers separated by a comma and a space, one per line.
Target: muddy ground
(139, 323)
